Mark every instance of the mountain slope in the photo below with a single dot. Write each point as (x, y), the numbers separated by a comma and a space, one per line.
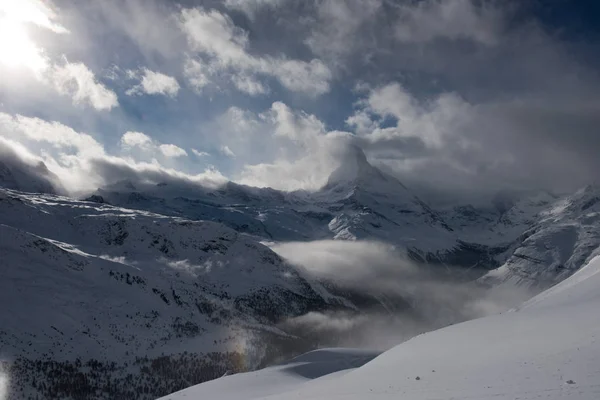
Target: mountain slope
(564, 237)
(358, 202)
(93, 283)
(17, 174)
(548, 348)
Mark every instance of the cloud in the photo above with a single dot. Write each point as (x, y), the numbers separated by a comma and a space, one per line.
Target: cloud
(77, 81)
(153, 83)
(138, 140)
(81, 164)
(249, 85)
(224, 48)
(458, 19)
(148, 24)
(18, 49)
(200, 153)
(418, 298)
(450, 144)
(21, 170)
(226, 151)
(336, 30)
(40, 13)
(461, 96)
(280, 147)
(57, 135)
(170, 150)
(197, 74)
(251, 7)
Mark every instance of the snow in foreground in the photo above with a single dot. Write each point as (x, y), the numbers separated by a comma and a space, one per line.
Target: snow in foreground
(546, 349)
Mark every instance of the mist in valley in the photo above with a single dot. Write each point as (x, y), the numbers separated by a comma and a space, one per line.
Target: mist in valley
(397, 298)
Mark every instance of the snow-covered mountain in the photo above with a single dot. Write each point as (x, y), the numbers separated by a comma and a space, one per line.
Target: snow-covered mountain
(358, 202)
(89, 285)
(564, 236)
(16, 174)
(548, 348)
(149, 287)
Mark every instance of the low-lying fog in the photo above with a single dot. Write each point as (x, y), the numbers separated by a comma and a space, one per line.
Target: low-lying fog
(412, 298)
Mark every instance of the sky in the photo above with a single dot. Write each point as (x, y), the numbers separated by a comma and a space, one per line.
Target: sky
(454, 97)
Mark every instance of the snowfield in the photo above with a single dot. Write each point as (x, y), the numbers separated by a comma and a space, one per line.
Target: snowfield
(548, 348)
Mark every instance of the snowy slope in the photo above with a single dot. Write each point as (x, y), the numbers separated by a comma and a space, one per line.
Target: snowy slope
(565, 236)
(318, 365)
(548, 348)
(18, 175)
(84, 281)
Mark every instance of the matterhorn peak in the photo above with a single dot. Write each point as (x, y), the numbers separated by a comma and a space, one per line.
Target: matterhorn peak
(353, 169)
(356, 171)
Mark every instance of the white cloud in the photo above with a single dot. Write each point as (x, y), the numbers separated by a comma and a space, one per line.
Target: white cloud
(132, 140)
(200, 153)
(79, 82)
(302, 154)
(170, 150)
(57, 135)
(153, 83)
(81, 163)
(197, 74)
(225, 49)
(457, 19)
(136, 139)
(431, 122)
(248, 84)
(226, 151)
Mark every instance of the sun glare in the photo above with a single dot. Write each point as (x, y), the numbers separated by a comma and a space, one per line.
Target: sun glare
(17, 49)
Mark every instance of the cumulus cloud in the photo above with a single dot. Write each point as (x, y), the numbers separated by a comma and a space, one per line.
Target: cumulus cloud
(81, 163)
(77, 81)
(302, 154)
(55, 134)
(224, 46)
(151, 82)
(138, 140)
(226, 151)
(170, 150)
(200, 153)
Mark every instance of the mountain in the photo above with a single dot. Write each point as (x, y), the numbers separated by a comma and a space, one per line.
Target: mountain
(359, 201)
(17, 174)
(143, 288)
(102, 299)
(564, 237)
(547, 348)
